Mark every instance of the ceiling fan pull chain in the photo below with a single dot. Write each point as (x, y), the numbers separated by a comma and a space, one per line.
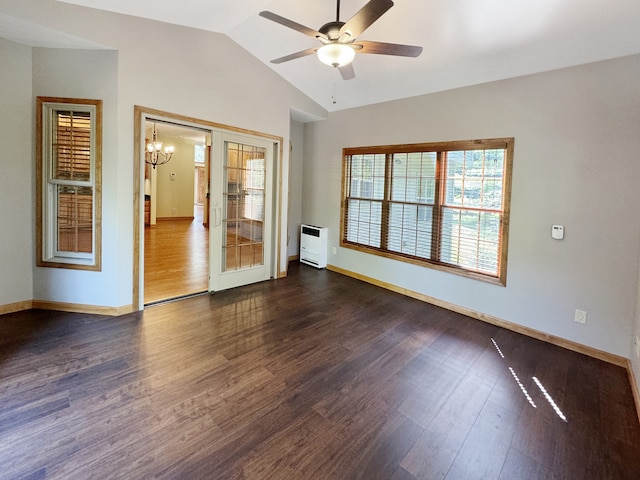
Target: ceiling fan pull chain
(333, 87)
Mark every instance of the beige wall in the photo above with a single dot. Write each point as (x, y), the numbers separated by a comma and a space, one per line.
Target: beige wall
(176, 193)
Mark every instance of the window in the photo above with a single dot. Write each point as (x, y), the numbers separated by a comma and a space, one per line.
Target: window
(69, 147)
(198, 153)
(443, 205)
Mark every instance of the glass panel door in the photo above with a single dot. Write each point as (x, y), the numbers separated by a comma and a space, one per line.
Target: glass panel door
(241, 212)
(244, 199)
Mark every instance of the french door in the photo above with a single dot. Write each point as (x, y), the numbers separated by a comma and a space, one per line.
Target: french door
(241, 211)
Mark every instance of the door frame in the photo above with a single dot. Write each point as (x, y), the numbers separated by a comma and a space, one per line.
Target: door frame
(140, 115)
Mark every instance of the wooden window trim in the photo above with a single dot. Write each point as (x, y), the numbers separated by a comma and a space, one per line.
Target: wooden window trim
(42, 172)
(436, 234)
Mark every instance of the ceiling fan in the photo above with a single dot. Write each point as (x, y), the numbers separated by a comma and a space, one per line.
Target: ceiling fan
(339, 39)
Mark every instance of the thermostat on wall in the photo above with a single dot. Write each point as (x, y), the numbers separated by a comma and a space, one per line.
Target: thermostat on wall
(557, 232)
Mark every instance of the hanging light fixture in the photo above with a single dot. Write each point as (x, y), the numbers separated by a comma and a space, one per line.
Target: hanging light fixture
(154, 153)
(336, 54)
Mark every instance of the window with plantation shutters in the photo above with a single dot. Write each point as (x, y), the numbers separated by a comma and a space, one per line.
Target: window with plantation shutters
(69, 172)
(71, 145)
(443, 205)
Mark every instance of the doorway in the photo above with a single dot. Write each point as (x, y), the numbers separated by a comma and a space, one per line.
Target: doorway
(254, 234)
(176, 238)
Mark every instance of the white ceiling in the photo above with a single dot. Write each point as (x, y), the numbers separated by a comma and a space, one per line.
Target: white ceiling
(465, 42)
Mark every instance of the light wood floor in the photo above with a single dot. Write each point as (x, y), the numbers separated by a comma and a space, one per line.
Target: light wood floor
(314, 376)
(176, 258)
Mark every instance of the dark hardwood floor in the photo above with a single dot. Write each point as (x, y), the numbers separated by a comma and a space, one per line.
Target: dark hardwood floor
(314, 376)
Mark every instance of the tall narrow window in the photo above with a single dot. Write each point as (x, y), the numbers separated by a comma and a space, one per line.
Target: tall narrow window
(443, 205)
(69, 146)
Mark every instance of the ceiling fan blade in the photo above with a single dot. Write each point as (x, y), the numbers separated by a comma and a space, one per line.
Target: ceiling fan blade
(382, 48)
(365, 17)
(293, 56)
(347, 72)
(274, 17)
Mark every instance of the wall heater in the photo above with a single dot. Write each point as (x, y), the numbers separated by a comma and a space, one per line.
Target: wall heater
(313, 246)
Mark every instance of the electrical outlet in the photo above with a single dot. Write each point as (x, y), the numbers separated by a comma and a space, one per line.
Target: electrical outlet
(334, 250)
(174, 210)
(637, 346)
(580, 316)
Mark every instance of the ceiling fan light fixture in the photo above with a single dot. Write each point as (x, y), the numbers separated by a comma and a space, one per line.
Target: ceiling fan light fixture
(336, 54)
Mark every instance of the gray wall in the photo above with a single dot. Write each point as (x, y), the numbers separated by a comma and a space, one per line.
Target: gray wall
(85, 74)
(210, 78)
(575, 164)
(295, 187)
(17, 195)
(635, 345)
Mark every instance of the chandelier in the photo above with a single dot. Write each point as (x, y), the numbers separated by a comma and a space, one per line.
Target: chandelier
(154, 153)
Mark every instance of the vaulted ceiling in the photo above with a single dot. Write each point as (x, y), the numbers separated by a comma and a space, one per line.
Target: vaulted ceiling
(465, 42)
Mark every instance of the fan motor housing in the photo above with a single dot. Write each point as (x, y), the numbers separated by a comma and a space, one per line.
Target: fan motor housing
(331, 30)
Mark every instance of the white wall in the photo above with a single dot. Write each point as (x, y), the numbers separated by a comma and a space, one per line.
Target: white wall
(575, 164)
(17, 174)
